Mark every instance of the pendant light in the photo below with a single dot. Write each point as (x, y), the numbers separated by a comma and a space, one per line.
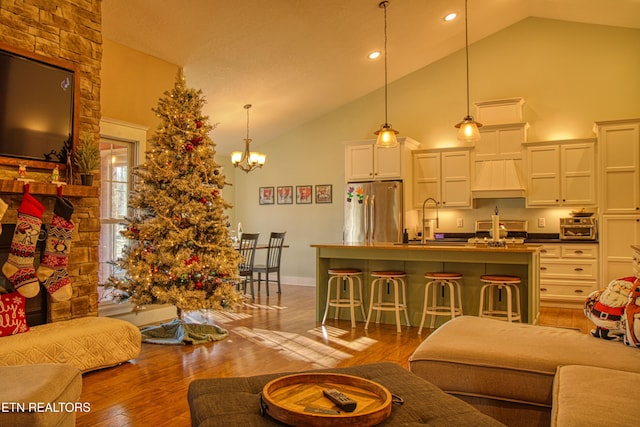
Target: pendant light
(386, 133)
(468, 128)
(247, 160)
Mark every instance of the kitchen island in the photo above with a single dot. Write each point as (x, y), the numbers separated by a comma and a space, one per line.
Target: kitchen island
(470, 260)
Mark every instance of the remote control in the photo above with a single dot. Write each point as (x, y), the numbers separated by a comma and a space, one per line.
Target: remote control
(344, 402)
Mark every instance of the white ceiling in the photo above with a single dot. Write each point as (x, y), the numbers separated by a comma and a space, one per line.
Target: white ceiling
(295, 60)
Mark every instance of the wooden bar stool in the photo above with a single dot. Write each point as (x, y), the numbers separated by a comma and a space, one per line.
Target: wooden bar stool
(397, 305)
(344, 276)
(511, 285)
(440, 282)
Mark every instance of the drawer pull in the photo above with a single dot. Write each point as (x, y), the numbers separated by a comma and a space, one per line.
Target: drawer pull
(543, 289)
(578, 252)
(544, 251)
(578, 269)
(578, 291)
(543, 268)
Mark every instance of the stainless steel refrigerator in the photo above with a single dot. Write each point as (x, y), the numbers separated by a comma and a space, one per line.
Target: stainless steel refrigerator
(373, 212)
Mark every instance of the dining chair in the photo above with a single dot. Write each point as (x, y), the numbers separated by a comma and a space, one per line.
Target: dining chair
(247, 249)
(272, 265)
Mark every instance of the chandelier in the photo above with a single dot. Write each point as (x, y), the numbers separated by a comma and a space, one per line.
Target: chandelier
(468, 128)
(386, 133)
(247, 160)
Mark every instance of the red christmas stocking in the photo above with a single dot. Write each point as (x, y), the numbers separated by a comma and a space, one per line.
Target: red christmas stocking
(19, 268)
(52, 271)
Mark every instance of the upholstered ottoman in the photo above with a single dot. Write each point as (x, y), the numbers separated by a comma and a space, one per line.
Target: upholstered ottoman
(236, 401)
(39, 395)
(589, 396)
(88, 343)
(507, 369)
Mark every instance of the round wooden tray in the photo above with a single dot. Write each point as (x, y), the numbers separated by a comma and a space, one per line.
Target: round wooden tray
(297, 400)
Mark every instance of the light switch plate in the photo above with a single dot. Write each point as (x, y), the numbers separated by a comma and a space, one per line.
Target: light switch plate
(459, 223)
(542, 222)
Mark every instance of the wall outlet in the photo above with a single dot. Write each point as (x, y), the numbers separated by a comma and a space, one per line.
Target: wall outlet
(459, 223)
(542, 222)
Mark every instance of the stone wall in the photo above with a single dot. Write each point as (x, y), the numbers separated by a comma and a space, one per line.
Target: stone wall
(68, 30)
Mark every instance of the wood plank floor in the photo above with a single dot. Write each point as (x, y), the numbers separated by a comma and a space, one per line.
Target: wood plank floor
(276, 334)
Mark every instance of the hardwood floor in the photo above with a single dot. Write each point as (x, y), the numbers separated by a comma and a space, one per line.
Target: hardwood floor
(276, 334)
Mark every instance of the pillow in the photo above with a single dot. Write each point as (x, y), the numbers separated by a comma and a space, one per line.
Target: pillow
(12, 314)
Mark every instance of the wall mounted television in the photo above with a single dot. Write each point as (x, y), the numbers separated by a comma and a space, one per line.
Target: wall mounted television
(37, 107)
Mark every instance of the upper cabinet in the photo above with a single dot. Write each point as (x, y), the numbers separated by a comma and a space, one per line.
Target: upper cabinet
(364, 161)
(619, 152)
(442, 174)
(561, 173)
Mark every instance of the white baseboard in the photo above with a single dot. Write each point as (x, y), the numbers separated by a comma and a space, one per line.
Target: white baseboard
(301, 281)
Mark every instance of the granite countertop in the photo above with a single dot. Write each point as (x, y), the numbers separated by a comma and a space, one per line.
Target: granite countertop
(432, 246)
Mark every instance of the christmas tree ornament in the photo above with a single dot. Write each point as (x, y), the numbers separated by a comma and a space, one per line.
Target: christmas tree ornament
(52, 271)
(19, 268)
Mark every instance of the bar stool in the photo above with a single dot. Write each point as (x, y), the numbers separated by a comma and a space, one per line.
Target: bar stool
(498, 283)
(397, 305)
(346, 276)
(439, 282)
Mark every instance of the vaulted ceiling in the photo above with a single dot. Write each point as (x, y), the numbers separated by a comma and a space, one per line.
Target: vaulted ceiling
(295, 60)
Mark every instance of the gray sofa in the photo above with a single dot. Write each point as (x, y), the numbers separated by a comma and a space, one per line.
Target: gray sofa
(508, 370)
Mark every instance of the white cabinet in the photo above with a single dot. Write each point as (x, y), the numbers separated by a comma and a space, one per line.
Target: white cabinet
(619, 152)
(617, 234)
(561, 173)
(568, 273)
(364, 161)
(442, 174)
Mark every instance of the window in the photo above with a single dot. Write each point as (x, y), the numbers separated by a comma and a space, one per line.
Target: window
(116, 162)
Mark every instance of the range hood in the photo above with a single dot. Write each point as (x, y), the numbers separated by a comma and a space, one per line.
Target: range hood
(498, 179)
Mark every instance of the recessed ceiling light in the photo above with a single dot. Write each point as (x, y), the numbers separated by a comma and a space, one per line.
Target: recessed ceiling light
(375, 55)
(451, 16)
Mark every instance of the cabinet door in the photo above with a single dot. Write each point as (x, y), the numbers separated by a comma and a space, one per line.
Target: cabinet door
(617, 234)
(359, 162)
(388, 162)
(578, 169)
(620, 168)
(455, 179)
(543, 176)
(426, 177)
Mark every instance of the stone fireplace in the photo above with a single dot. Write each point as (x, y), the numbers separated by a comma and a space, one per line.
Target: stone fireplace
(83, 257)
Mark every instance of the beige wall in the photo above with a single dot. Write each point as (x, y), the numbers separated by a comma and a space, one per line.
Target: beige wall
(570, 75)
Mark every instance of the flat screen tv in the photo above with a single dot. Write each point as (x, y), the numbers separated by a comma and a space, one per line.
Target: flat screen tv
(36, 108)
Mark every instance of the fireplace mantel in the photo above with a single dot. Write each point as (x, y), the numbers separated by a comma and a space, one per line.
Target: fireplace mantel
(9, 186)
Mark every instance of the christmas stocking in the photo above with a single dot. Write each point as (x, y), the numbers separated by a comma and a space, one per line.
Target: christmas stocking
(19, 268)
(52, 271)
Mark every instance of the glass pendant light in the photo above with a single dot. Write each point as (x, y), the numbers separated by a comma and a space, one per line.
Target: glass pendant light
(386, 133)
(468, 128)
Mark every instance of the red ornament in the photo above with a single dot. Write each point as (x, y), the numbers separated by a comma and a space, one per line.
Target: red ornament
(199, 285)
(198, 124)
(203, 200)
(215, 193)
(188, 147)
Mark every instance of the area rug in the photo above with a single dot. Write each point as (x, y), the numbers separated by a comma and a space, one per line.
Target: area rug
(179, 332)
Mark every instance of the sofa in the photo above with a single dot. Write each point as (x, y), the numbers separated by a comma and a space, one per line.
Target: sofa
(88, 343)
(526, 375)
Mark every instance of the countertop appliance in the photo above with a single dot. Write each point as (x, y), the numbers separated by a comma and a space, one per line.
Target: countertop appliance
(578, 228)
(373, 212)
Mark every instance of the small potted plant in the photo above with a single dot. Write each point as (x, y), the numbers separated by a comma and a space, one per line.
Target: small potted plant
(87, 158)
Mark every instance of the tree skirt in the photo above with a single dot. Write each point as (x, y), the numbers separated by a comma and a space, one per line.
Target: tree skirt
(179, 332)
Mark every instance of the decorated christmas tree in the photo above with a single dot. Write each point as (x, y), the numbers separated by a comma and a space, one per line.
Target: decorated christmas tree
(180, 250)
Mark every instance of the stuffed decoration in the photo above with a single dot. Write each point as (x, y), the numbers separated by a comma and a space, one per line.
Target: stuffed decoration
(614, 309)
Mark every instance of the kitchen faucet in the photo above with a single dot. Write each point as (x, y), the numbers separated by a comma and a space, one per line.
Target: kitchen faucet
(424, 220)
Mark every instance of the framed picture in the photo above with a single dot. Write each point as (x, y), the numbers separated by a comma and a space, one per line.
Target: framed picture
(285, 195)
(265, 195)
(324, 193)
(304, 194)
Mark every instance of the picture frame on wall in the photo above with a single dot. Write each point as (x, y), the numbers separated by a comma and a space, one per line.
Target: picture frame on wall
(304, 194)
(285, 195)
(265, 195)
(324, 193)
